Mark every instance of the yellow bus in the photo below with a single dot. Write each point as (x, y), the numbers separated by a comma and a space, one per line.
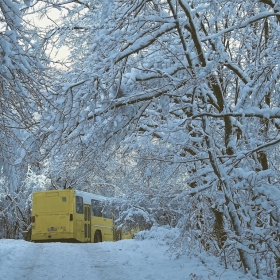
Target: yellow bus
(71, 215)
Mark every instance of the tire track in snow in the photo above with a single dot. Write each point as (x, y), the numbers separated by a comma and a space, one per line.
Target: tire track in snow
(50, 261)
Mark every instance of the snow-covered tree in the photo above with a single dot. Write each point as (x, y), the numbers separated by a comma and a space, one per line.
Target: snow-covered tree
(173, 103)
(24, 91)
(199, 82)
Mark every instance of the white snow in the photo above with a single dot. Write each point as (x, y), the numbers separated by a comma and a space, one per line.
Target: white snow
(146, 257)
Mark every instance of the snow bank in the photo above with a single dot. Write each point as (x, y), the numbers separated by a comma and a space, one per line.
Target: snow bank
(163, 235)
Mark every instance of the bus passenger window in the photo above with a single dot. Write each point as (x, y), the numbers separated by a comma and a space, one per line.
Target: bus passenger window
(89, 233)
(85, 230)
(96, 208)
(88, 208)
(79, 204)
(106, 214)
(85, 214)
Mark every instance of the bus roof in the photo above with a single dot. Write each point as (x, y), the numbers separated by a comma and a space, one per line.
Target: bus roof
(89, 196)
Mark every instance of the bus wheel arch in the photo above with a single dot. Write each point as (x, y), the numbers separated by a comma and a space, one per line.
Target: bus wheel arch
(97, 236)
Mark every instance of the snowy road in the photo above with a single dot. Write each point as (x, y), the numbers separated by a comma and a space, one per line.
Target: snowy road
(26, 260)
(126, 259)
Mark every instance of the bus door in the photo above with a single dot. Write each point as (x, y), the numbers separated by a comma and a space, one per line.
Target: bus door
(79, 232)
(87, 219)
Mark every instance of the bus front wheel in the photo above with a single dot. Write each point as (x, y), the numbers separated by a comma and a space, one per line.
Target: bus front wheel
(97, 237)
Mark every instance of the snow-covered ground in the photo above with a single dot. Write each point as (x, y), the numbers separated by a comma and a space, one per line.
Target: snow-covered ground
(137, 259)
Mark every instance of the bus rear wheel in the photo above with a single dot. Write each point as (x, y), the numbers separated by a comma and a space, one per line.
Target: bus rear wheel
(97, 237)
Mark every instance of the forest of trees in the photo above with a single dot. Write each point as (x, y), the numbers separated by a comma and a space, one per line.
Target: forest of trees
(172, 107)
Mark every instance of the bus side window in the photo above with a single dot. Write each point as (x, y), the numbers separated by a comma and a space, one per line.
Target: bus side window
(79, 204)
(96, 208)
(106, 214)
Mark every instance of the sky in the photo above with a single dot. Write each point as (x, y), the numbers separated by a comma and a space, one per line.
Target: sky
(145, 257)
(43, 22)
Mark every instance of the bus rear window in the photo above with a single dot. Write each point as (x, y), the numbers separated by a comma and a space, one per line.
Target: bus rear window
(79, 204)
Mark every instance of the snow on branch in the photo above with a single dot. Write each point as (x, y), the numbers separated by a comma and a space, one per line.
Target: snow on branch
(246, 112)
(243, 24)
